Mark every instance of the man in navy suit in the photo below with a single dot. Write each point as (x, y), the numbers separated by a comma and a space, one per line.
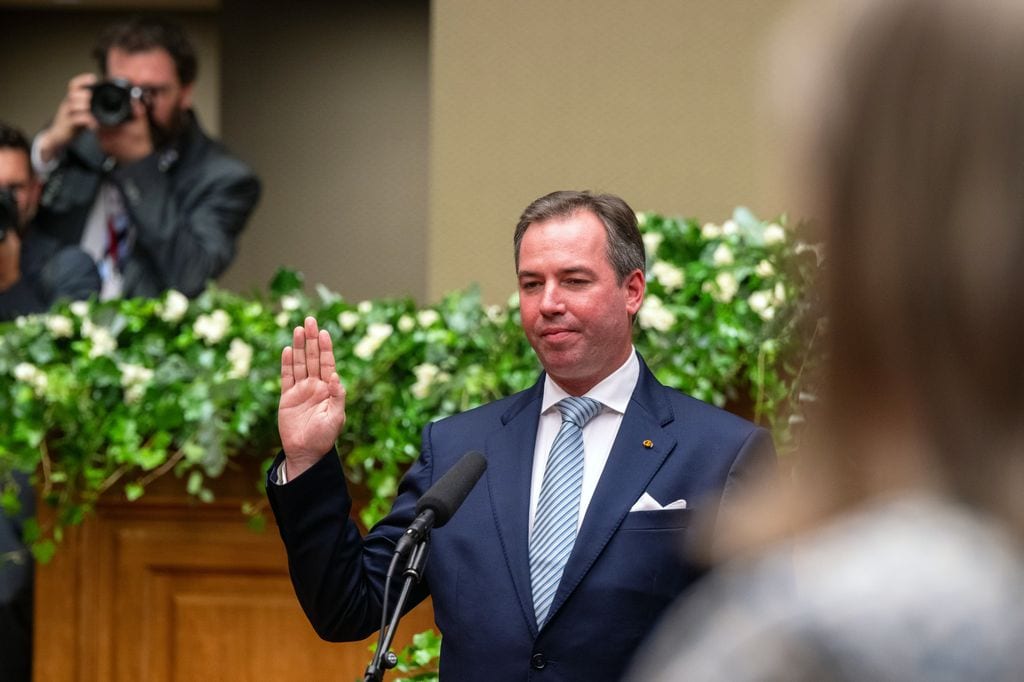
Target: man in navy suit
(652, 459)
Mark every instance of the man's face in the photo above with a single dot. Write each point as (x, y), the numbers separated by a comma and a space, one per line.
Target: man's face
(16, 175)
(576, 315)
(154, 71)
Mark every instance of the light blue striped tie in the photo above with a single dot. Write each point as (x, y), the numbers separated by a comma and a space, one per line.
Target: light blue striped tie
(558, 507)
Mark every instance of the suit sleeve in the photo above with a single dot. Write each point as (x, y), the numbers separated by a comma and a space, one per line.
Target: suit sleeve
(753, 470)
(338, 575)
(188, 245)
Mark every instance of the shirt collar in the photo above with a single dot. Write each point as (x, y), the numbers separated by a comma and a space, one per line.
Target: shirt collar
(614, 391)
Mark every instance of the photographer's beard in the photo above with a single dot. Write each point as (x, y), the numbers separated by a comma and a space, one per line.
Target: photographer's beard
(165, 136)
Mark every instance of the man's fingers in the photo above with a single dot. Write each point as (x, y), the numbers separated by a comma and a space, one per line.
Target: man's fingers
(298, 354)
(327, 368)
(312, 348)
(287, 371)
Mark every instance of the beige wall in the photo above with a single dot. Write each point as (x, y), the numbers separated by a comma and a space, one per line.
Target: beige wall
(328, 101)
(398, 141)
(655, 100)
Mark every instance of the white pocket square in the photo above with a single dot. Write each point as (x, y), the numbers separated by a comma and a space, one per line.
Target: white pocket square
(648, 503)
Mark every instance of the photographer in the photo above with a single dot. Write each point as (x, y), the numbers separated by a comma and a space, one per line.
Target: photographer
(130, 175)
(35, 270)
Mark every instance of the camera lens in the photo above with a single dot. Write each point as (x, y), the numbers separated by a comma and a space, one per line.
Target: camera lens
(111, 102)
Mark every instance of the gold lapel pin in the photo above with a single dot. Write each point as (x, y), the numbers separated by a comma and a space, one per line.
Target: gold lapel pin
(648, 444)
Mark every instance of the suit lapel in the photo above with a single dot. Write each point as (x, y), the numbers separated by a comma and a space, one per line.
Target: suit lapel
(630, 467)
(509, 472)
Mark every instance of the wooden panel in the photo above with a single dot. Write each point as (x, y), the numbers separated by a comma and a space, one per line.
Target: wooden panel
(169, 590)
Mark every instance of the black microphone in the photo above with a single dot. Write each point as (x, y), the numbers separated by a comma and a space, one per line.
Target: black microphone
(442, 499)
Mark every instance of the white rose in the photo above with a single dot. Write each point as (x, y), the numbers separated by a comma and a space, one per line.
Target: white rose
(774, 234)
(376, 334)
(652, 240)
(406, 324)
(28, 373)
(513, 301)
(134, 393)
(24, 371)
(654, 315)
(780, 293)
(427, 317)
(764, 269)
(710, 231)
(348, 320)
(729, 227)
(668, 275)
(425, 376)
(61, 327)
(726, 286)
(213, 327)
(282, 318)
(641, 219)
(80, 308)
(240, 356)
(365, 306)
(495, 313)
(723, 255)
(103, 343)
(761, 303)
(290, 303)
(132, 375)
(174, 307)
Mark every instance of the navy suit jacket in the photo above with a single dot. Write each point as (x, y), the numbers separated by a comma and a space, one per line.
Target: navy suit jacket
(624, 570)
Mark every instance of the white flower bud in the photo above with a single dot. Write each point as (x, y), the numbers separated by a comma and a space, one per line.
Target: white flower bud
(427, 317)
(774, 234)
(723, 255)
(348, 320)
(764, 269)
(726, 287)
(654, 315)
(60, 326)
(213, 327)
(652, 240)
(173, 307)
(710, 231)
(668, 276)
(240, 356)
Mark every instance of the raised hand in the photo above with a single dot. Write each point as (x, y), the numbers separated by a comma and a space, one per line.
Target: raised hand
(311, 412)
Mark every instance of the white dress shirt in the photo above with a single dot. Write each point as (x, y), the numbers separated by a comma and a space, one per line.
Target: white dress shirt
(614, 393)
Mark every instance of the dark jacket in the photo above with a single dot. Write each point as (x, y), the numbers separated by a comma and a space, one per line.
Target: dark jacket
(187, 203)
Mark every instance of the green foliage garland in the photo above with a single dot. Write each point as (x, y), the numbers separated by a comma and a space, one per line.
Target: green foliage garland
(106, 397)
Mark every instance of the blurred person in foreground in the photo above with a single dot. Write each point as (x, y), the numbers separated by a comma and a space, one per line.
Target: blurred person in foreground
(130, 175)
(546, 572)
(35, 270)
(906, 535)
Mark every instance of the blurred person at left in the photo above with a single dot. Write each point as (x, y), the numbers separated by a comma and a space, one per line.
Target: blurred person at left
(35, 270)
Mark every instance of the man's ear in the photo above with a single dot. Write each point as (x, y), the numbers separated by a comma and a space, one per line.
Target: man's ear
(635, 285)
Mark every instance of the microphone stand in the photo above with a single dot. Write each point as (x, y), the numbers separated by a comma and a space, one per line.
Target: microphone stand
(384, 659)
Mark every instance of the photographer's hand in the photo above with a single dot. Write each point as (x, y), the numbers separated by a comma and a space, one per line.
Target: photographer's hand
(72, 117)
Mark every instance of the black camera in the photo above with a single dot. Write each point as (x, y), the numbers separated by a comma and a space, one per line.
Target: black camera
(8, 212)
(111, 102)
